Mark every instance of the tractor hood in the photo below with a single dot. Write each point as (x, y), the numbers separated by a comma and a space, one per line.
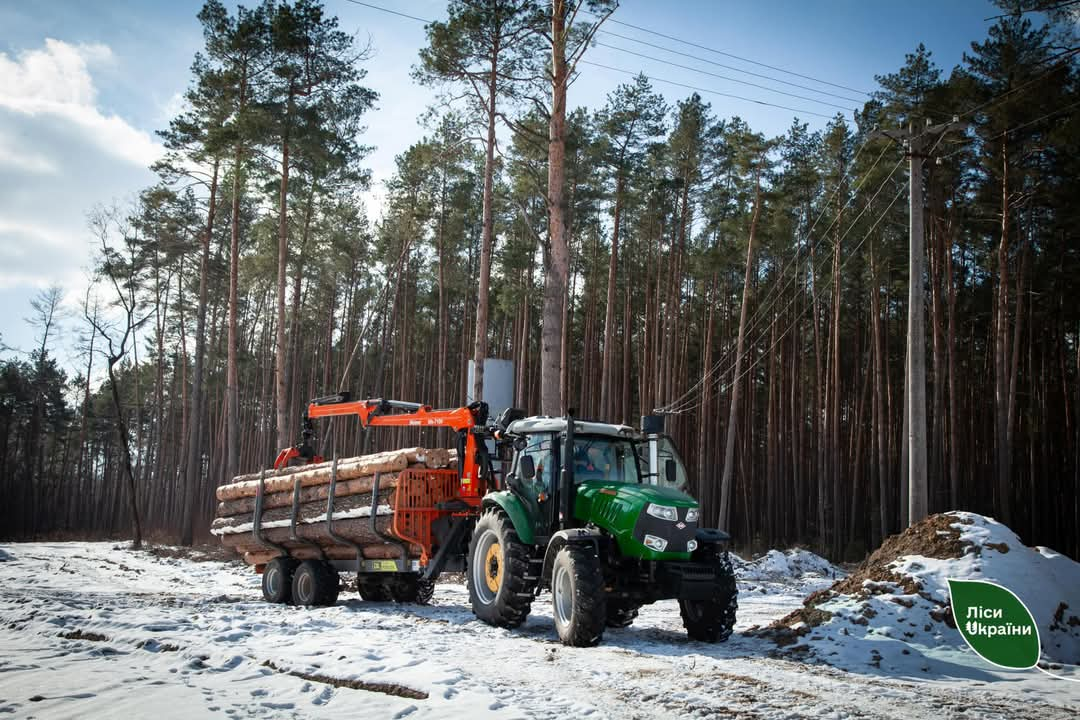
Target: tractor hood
(621, 510)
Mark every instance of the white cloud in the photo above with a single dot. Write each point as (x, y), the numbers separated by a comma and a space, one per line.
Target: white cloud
(55, 80)
(61, 154)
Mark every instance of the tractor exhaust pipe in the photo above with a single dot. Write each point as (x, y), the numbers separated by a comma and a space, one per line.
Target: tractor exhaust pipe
(566, 486)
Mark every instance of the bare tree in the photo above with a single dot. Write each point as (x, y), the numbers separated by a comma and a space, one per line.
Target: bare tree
(119, 269)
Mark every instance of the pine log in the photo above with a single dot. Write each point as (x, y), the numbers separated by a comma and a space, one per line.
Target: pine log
(360, 467)
(306, 511)
(314, 493)
(348, 468)
(356, 529)
(428, 457)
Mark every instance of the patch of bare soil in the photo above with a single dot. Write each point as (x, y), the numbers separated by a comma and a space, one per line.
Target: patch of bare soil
(385, 688)
(195, 553)
(82, 635)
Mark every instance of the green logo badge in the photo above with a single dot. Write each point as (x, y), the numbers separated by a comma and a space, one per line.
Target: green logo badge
(995, 623)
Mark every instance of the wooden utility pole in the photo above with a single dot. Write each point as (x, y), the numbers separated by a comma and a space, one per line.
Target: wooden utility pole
(919, 147)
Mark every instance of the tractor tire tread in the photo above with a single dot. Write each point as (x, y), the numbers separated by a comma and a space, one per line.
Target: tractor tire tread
(513, 601)
(713, 619)
(589, 618)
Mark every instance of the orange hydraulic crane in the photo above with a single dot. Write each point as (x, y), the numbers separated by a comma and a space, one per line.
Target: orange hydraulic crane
(474, 464)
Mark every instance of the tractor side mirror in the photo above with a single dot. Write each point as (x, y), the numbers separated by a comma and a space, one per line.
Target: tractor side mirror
(670, 471)
(527, 467)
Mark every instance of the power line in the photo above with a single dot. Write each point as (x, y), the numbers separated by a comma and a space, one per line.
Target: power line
(388, 10)
(722, 77)
(733, 55)
(688, 403)
(706, 90)
(727, 67)
(777, 289)
(1045, 9)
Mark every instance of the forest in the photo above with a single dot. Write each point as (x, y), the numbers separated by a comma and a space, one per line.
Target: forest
(631, 258)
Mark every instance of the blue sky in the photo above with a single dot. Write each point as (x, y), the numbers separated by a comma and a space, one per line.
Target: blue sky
(84, 84)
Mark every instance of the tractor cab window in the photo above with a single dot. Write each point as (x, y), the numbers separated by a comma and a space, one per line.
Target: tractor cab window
(605, 458)
(542, 450)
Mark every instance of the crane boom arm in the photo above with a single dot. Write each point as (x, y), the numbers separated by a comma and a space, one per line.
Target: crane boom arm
(466, 421)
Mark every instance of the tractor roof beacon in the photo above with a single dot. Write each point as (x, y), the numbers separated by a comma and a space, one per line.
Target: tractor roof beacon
(593, 512)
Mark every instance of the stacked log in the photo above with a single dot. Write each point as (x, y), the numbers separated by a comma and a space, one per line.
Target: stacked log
(234, 521)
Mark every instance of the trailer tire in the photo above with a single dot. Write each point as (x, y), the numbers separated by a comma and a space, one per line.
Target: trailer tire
(621, 613)
(711, 620)
(577, 595)
(277, 579)
(315, 584)
(498, 564)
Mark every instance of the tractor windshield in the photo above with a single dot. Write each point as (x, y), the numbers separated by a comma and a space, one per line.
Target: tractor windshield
(599, 457)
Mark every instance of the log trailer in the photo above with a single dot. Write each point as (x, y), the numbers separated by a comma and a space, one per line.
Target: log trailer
(593, 512)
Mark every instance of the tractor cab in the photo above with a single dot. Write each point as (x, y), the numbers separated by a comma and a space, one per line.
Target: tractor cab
(596, 513)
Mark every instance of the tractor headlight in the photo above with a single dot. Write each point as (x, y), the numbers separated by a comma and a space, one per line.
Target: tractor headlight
(663, 512)
(691, 546)
(692, 515)
(655, 543)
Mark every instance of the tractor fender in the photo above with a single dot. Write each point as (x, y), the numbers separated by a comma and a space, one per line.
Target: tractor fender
(575, 536)
(515, 510)
(712, 535)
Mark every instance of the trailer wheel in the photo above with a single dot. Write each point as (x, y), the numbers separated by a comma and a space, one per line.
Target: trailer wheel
(621, 613)
(277, 579)
(577, 596)
(712, 619)
(498, 563)
(315, 583)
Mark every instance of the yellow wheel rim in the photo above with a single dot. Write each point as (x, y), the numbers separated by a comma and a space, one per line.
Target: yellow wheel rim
(493, 567)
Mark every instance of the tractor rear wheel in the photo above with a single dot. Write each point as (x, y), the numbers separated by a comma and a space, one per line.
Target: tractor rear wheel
(315, 583)
(277, 579)
(499, 591)
(712, 619)
(577, 596)
(621, 613)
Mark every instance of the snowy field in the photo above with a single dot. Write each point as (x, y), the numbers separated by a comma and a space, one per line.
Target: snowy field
(93, 630)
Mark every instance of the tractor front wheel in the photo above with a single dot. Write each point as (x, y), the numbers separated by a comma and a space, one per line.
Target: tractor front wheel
(712, 619)
(277, 579)
(499, 590)
(577, 596)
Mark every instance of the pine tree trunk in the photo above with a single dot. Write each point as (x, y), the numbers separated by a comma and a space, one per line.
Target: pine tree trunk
(194, 457)
(558, 271)
(284, 427)
(724, 518)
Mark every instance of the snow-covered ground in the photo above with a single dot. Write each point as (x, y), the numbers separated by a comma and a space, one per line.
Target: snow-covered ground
(94, 630)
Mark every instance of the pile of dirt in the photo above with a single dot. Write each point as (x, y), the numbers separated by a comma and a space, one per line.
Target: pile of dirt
(897, 601)
(935, 537)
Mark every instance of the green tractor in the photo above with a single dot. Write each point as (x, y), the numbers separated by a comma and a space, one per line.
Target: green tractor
(586, 512)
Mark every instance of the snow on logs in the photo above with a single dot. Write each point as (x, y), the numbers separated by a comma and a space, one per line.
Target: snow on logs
(352, 506)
